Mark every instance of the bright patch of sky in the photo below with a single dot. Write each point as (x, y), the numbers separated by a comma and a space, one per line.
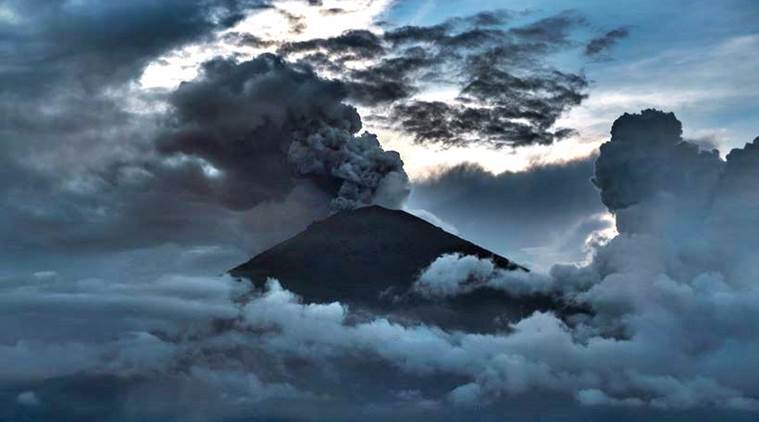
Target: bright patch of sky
(269, 24)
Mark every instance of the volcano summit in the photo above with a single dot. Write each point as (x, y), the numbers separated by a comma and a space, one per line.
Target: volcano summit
(370, 258)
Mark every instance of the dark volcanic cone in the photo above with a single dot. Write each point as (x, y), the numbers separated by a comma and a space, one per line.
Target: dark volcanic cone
(370, 257)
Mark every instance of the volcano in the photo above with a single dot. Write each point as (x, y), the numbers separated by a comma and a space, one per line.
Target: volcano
(370, 257)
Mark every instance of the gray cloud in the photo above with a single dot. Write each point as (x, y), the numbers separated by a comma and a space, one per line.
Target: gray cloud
(603, 43)
(685, 258)
(508, 94)
(193, 336)
(540, 216)
(81, 176)
(48, 40)
(179, 347)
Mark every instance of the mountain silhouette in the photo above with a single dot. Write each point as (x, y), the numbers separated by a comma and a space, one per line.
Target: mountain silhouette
(370, 257)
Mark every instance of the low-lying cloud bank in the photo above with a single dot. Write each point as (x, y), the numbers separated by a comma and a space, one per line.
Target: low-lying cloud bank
(205, 349)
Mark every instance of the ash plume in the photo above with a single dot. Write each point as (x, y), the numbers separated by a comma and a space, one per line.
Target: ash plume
(267, 125)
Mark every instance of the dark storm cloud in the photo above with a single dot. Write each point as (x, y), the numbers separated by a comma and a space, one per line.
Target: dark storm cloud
(741, 169)
(660, 185)
(66, 66)
(508, 95)
(83, 179)
(263, 122)
(539, 216)
(543, 98)
(95, 42)
(601, 44)
(647, 162)
(248, 154)
(351, 45)
(631, 167)
(389, 80)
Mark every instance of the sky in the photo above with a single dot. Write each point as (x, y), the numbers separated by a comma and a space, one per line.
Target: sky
(147, 147)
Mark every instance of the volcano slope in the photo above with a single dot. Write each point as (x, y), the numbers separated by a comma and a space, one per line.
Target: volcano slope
(369, 259)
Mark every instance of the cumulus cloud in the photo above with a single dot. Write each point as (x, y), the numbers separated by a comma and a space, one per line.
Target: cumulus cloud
(456, 274)
(647, 166)
(252, 349)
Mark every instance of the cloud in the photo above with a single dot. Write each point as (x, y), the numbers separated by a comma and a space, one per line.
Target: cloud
(650, 177)
(595, 397)
(539, 217)
(247, 351)
(80, 175)
(601, 44)
(456, 274)
(95, 166)
(508, 94)
(85, 186)
(684, 258)
(67, 40)
(351, 45)
(28, 398)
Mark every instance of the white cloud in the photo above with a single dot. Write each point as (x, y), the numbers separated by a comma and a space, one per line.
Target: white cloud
(456, 274)
(28, 398)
